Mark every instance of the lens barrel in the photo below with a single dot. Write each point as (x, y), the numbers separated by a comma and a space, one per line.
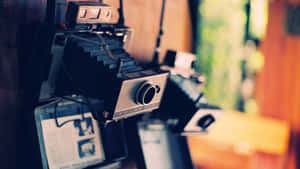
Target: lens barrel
(145, 93)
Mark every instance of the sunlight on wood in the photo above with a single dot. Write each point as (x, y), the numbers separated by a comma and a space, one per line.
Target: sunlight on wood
(246, 133)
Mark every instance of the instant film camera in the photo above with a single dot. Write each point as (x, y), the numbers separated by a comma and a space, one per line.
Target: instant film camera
(89, 57)
(184, 105)
(91, 75)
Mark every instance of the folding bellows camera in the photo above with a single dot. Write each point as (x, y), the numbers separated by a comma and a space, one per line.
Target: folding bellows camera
(95, 63)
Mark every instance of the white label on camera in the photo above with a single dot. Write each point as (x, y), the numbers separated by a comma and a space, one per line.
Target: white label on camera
(75, 145)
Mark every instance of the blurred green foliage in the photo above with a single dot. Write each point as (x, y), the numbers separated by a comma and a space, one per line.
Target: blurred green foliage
(220, 51)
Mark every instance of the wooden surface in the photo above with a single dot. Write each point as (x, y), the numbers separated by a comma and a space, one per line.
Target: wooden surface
(258, 134)
(144, 17)
(240, 141)
(213, 155)
(278, 85)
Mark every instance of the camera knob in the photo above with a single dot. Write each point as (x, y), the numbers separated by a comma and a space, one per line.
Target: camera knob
(206, 121)
(146, 93)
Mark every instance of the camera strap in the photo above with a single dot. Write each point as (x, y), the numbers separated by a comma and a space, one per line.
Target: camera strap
(155, 60)
(121, 20)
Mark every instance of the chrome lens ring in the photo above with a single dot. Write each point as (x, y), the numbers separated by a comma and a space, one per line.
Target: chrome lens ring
(145, 93)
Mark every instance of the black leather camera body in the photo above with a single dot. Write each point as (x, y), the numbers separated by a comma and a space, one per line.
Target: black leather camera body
(184, 105)
(89, 57)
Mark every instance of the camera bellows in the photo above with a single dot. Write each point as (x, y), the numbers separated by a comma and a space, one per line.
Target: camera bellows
(105, 55)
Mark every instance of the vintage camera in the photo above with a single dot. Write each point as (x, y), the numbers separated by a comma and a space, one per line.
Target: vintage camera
(184, 105)
(89, 57)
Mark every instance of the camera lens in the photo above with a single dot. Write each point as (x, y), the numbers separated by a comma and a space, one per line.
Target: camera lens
(146, 93)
